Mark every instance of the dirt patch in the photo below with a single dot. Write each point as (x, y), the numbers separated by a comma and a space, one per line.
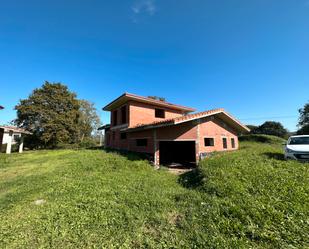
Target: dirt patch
(174, 218)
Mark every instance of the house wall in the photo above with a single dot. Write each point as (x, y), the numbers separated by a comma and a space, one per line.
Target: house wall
(184, 131)
(217, 129)
(141, 113)
(1, 137)
(136, 113)
(6, 137)
(147, 134)
(119, 117)
(196, 130)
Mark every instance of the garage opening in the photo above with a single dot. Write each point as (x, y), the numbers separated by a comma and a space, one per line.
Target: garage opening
(177, 153)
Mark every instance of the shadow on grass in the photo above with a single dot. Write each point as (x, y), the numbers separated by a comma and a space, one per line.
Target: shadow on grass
(192, 179)
(275, 155)
(95, 148)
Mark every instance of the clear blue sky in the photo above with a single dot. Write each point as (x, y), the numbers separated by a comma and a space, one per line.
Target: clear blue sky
(250, 57)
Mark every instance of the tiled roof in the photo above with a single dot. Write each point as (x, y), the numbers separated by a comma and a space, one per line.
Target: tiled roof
(15, 129)
(185, 118)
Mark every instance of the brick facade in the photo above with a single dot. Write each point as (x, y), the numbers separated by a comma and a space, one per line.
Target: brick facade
(131, 114)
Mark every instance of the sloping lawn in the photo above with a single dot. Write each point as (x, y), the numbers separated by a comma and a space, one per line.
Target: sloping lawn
(94, 199)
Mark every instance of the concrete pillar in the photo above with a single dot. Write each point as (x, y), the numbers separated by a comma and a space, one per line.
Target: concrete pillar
(9, 144)
(197, 143)
(156, 148)
(21, 144)
(101, 138)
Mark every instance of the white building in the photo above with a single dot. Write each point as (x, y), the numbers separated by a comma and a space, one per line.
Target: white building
(10, 135)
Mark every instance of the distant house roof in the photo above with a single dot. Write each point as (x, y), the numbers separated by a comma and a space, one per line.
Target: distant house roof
(15, 129)
(128, 96)
(186, 118)
(1, 107)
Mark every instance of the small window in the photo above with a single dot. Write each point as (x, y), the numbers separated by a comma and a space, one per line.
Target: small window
(124, 114)
(224, 141)
(123, 135)
(159, 113)
(141, 142)
(209, 141)
(233, 142)
(115, 117)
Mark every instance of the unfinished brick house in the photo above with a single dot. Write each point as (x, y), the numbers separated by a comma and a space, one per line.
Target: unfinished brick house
(168, 133)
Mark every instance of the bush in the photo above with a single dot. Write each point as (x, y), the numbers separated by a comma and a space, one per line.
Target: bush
(261, 138)
(271, 128)
(86, 143)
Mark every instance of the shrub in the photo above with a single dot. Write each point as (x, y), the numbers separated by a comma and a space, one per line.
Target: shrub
(261, 138)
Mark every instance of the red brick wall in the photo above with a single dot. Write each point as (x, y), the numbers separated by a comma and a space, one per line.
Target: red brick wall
(215, 128)
(141, 113)
(119, 118)
(147, 134)
(195, 130)
(185, 131)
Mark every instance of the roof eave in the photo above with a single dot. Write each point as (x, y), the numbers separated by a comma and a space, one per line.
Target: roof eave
(129, 96)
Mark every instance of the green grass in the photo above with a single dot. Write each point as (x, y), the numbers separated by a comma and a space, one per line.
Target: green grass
(248, 198)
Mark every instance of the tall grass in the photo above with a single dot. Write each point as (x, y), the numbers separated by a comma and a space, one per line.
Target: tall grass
(94, 199)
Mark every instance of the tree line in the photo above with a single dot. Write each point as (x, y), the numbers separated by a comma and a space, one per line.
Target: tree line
(55, 116)
(277, 129)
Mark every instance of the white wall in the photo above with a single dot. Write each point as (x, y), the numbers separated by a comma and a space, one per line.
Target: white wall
(6, 138)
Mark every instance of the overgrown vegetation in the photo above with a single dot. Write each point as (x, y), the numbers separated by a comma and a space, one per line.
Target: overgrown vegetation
(270, 128)
(91, 198)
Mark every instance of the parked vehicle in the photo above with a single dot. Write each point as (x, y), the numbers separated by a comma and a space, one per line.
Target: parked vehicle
(297, 148)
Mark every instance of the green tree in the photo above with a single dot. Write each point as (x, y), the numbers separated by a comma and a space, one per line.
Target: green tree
(89, 120)
(304, 120)
(252, 128)
(51, 113)
(272, 128)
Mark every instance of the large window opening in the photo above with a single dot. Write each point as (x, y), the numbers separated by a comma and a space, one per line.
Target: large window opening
(233, 142)
(124, 114)
(209, 142)
(224, 141)
(115, 117)
(159, 113)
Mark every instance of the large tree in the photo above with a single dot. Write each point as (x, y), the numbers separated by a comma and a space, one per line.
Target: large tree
(51, 113)
(89, 120)
(304, 120)
(272, 128)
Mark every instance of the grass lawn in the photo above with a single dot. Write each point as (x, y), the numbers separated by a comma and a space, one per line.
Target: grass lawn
(93, 199)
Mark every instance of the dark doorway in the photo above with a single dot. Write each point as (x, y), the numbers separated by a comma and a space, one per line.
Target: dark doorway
(178, 153)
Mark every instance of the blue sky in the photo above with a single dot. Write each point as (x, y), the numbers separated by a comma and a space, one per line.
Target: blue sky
(250, 57)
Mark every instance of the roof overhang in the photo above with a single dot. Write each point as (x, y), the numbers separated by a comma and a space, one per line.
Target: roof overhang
(15, 130)
(104, 127)
(124, 98)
